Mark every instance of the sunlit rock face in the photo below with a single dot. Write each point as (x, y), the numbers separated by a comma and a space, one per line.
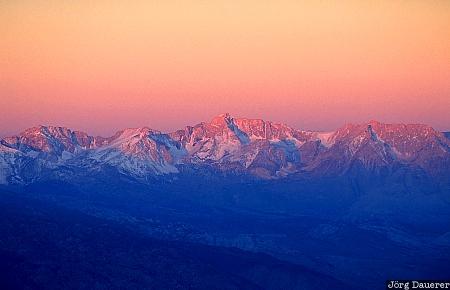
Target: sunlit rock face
(251, 147)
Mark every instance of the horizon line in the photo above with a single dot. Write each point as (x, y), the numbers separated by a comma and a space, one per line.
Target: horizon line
(223, 115)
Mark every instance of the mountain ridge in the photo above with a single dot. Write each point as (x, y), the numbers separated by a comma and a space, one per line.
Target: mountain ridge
(253, 147)
(364, 196)
(214, 120)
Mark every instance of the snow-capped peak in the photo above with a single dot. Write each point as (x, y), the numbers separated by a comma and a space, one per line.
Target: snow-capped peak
(253, 146)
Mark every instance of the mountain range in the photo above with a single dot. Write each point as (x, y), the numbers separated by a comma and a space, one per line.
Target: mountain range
(234, 202)
(247, 147)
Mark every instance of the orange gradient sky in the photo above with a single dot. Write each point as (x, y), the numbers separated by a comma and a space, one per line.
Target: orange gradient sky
(99, 66)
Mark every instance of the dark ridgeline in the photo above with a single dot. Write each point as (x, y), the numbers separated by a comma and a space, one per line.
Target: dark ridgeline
(47, 247)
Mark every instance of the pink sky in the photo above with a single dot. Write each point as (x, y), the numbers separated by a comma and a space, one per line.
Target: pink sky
(100, 66)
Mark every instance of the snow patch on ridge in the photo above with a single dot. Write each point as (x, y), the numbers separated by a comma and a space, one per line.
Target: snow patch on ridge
(325, 138)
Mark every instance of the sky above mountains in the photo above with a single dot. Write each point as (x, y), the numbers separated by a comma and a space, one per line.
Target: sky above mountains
(102, 65)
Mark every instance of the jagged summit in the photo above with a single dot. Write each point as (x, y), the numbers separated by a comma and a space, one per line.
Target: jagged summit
(51, 139)
(222, 120)
(224, 117)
